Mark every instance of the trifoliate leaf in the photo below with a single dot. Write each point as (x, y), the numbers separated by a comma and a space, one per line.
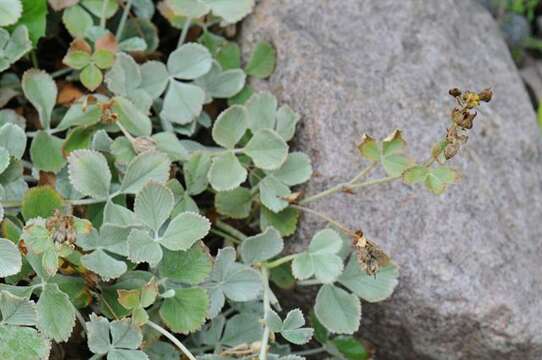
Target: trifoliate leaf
(10, 12)
(222, 84)
(286, 122)
(125, 335)
(153, 204)
(296, 170)
(262, 109)
(273, 194)
(18, 342)
(392, 158)
(368, 287)
(46, 152)
(320, 259)
(104, 265)
(184, 230)
(189, 61)
(186, 311)
(195, 172)
(284, 221)
(147, 166)
(261, 247)
(13, 139)
(190, 267)
(118, 339)
(182, 103)
(337, 310)
(235, 204)
(267, 149)
(143, 248)
(77, 21)
(291, 328)
(57, 325)
(10, 258)
(89, 173)
(41, 201)
(230, 126)
(262, 61)
(226, 172)
(40, 89)
(230, 10)
(133, 120)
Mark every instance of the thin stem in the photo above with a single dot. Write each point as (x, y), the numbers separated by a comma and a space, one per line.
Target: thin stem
(123, 19)
(82, 320)
(339, 187)
(34, 59)
(125, 132)
(61, 72)
(102, 15)
(184, 32)
(221, 225)
(266, 310)
(48, 131)
(310, 282)
(342, 227)
(280, 261)
(172, 338)
(374, 182)
(17, 203)
(310, 351)
(225, 235)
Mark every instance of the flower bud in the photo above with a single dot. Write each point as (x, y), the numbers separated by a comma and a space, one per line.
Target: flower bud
(455, 92)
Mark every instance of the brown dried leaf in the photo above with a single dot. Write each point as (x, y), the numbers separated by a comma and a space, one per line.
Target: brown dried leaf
(107, 42)
(69, 94)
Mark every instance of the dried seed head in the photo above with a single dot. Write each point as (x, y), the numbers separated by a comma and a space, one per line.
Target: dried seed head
(144, 143)
(62, 228)
(471, 99)
(455, 92)
(451, 150)
(486, 95)
(370, 257)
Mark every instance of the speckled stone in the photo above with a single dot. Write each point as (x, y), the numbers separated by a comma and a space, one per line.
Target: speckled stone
(471, 275)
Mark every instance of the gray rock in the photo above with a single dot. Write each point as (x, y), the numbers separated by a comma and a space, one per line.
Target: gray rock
(471, 278)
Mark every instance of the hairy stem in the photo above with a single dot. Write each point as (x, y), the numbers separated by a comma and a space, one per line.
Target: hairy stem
(279, 261)
(123, 19)
(172, 338)
(184, 32)
(266, 310)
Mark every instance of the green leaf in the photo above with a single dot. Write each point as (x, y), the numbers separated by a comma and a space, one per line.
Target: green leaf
(296, 170)
(189, 267)
(10, 12)
(123, 151)
(40, 89)
(133, 120)
(13, 139)
(46, 152)
(41, 201)
(229, 56)
(235, 203)
(103, 58)
(369, 148)
(320, 259)
(230, 126)
(77, 115)
(4, 159)
(262, 109)
(189, 61)
(230, 10)
(91, 77)
(350, 348)
(226, 172)
(241, 97)
(184, 230)
(17, 310)
(143, 248)
(160, 350)
(186, 311)
(320, 332)
(195, 172)
(286, 120)
(77, 21)
(125, 75)
(337, 310)
(147, 166)
(415, 174)
(10, 258)
(392, 158)
(154, 78)
(220, 84)
(34, 18)
(284, 221)
(98, 335)
(182, 103)
(371, 288)
(273, 194)
(262, 61)
(244, 328)
(77, 59)
(13, 49)
(261, 247)
(292, 329)
(267, 149)
(153, 204)
(56, 324)
(96, 7)
(169, 143)
(439, 178)
(104, 265)
(118, 339)
(36, 236)
(89, 173)
(22, 343)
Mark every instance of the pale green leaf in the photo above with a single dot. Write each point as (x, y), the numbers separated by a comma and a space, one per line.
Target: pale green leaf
(230, 10)
(292, 329)
(226, 172)
(133, 120)
(221, 84)
(17, 310)
(235, 203)
(188, 8)
(190, 267)
(337, 310)
(182, 103)
(77, 21)
(189, 61)
(195, 172)
(154, 78)
(186, 311)
(267, 149)
(147, 166)
(4, 159)
(262, 111)
(10, 258)
(284, 221)
(439, 178)
(261, 247)
(13, 139)
(22, 343)
(46, 152)
(273, 194)
(262, 61)
(286, 120)
(104, 265)
(40, 89)
(10, 11)
(78, 115)
(96, 7)
(415, 174)
(168, 143)
(124, 334)
(124, 76)
(56, 324)
(244, 328)
(184, 230)
(89, 173)
(98, 335)
(143, 248)
(296, 170)
(230, 126)
(153, 204)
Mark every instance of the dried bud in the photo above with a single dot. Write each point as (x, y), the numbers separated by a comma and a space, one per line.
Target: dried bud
(451, 150)
(471, 99)
(486, 95)
(62, 228)
(144, 143)
(455, 92)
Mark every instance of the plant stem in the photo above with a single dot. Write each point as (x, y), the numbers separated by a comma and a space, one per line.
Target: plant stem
(123, 19)
(310, 282)
(61, 72)
(82, 320)
(342, 227)
(17, 203)
(280, 261)
(48, 131)
(184, 32)
(339, 187)
(102, 15)
(266, 309)
(172, 338)
(225, 235)
(310, 351)
(374, 182)
(221, 225)
(34, 59)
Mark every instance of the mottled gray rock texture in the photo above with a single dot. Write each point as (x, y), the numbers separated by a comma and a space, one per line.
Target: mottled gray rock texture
(471, 275)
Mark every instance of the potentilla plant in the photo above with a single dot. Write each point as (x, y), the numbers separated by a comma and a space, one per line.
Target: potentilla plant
(145, 195)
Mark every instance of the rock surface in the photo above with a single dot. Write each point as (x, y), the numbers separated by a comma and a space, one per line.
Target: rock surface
(471, 280)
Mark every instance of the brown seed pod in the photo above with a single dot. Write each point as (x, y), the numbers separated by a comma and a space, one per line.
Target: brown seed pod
(486, 95)
(455, 92)
(370, 256)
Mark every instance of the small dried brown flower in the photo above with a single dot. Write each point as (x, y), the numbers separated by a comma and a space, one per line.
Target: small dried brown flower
(370, 256)
(62, 228)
